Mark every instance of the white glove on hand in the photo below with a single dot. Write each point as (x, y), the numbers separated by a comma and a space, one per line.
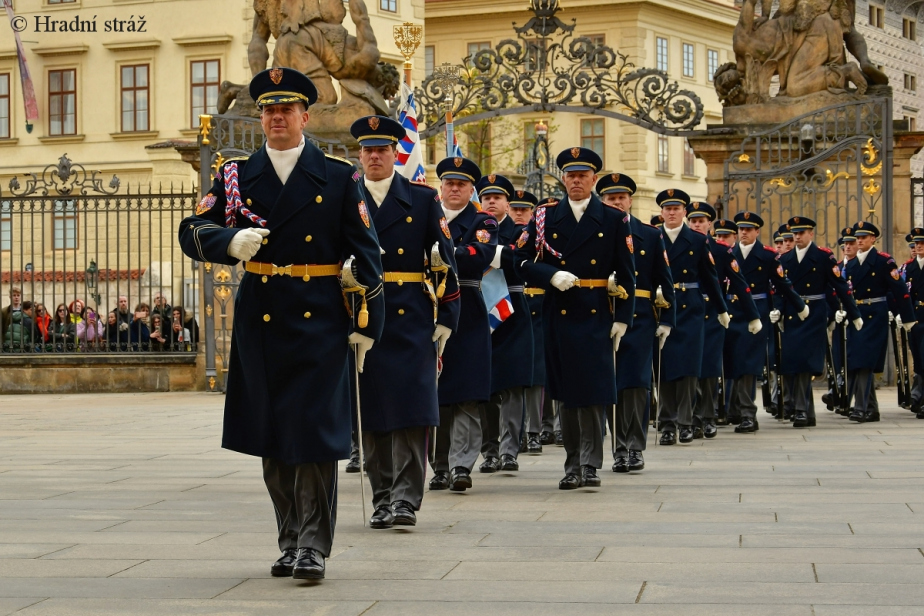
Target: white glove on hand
(362, 344)
(775, 316)
(896, 319)
(804, 314)
(616, 333)
(441, 335)
(246, 243)
(661, 334)
(907, 326)
(858, 323)
(755, 326)
(839, 316)
(563, 280)
(724, 319)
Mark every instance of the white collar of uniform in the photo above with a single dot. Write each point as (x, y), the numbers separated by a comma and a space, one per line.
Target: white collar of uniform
(920, 261)
(862, 255)
(673, 233)
(284, 160)
(800, 252)
(379, 188)
(746, 249)
(451, 214)
(578, 207)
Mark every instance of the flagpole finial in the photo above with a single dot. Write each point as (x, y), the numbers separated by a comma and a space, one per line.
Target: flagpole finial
(407, 37)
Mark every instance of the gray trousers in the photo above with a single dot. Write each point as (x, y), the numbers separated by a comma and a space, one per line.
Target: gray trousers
(707, 397)
(917, 388)
(458, 438)
(305, 499)
(396, 463)
(742, 398)
(797, 393)
(551, 416)
(490, 426)
(631, 428)
(532, 400)
(863, 390)
(676, 404)
(582, 435)
(504, 415)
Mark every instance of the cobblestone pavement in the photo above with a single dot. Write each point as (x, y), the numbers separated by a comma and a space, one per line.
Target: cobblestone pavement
(125, 504)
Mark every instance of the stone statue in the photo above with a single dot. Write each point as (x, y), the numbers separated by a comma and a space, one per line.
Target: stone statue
(310, 37)
(803, 44)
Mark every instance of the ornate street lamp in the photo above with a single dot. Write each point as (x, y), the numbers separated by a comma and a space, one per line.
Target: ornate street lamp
(447, 76)
(92, 282)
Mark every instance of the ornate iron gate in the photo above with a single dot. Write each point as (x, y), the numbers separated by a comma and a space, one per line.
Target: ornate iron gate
(833, 165)
(917, 202)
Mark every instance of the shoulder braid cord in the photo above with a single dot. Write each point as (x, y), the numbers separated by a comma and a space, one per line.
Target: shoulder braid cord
(540, 236)
(233, 203)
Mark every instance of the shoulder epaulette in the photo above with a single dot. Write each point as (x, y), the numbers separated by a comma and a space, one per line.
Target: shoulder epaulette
(826, 249)
(884, 254)
(768, 249)
(234, 159)
(908, 262)
(342, 160)
(727, 245)
(424, 184)
(652, 226)
(548, 204)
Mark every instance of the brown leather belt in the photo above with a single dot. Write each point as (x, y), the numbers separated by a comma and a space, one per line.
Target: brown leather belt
(533, 291)
(304, 272)
(402, 277)
(643, 293)
(591, 283)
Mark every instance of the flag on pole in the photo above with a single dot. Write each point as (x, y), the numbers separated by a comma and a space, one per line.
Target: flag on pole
(410, 159)
(496, 297)
(456, 150)
(28, 91)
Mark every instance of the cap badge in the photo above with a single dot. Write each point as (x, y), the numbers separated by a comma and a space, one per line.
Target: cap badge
(520, 194)
(796, 220)
(374, 123)
(696, 206)
(670, 192)
(275, 75)
(575, 152)
(615, 177)
(492, 178)
(457, 162)
(860, 224)
(747, 215)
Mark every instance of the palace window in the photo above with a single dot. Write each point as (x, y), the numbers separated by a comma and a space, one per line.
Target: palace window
(911, 82)
(135, 97)
(661, 53)
(389, 5)
(688, 60)
(204, 76)
(664, 154)
(474, 48)
(4, 105)
(6, 226)
(909, 29)
(62, 102)
(712, 62)
(65, 227)
(592, 135)
(876, 16)
(689, 159)
(429, 59)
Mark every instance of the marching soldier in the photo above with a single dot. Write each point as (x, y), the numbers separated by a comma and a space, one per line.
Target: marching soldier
(873, 276)
(398, 384)
(693, 271)
(747, 352)
(914, 278)
(464, 383)
(502, 415)
(582, 252)
(551, 417)
(777, 241)
(788, 238)
(813, 271)
(848, 246)
(700, 215)
(289, 381)
(653, 318)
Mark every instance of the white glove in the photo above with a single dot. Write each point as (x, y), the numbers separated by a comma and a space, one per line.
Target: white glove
(661, 334)
(755, 326)
(724, 319)
(895, 318)
(907, 326)
(858, 323)
(804, 314)
(496, 261)
(563, 280)
(441, 335)
(616, 333)
(362, 344)
(839, 316)
(775, 316)
(246, 243)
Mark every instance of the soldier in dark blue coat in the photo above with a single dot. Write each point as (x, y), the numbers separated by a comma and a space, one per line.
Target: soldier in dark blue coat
(581, 251)
(699, 215)
(747, 351)
(873, 275)
(294, 215)
(914, 280)
(502, 416)
(398, 383)
(465, 382)
(694, 275)
(654, 317)
(848, 249)
(812, 271)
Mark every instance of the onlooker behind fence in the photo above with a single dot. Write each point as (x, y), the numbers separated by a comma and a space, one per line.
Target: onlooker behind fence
(90, 331)
(190, 323)
(159, 341)
(14, 307)
(63, 332)
(42, 321)
(18, 336)
(162, 307)
(76, 308)
(116, 337)
(35, 335)
(125, 318)
(140, 334)
(179, 333)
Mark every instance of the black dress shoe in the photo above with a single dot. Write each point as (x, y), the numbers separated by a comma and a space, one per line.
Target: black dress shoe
(843, 412)
(404, 514)
(283, 566)
(668, 438)
(828, 399)
(547, 438)
(686, 434)
(382, 518)
(440, 481)
(309, 565)
(745, 426)
(533, 445)
(800, 420)
(709, 430)
(621, 465)
(459, 479)
(353, 465)
(871, 417)
(589, 476)
(734, 420)
(636, 461)
(697, 432)
(919, 415)
(490, 465)
(857, 415)
(570, 482)
(558, 439)
(524, 445)
(509, 463)
(756, 425)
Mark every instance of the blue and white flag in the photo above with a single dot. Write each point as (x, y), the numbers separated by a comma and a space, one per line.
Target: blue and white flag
(410, 159)
(496, 297)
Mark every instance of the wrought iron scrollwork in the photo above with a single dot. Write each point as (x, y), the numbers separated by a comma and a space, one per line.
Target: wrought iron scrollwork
(65, 178)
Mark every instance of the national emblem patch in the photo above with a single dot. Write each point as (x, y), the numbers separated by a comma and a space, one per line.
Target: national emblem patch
(205, 204)
(895, 274)
(444, 225)
(779, 271)
(711, 260)
(364, 213)
(734, 266)
(524, 237)
(630, 244)
(483, 235)
(837, 271)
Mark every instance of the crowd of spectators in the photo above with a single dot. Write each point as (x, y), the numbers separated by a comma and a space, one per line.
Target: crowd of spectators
(26, 327)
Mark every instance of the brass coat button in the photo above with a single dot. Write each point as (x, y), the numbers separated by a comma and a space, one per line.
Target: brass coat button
(400, 283)
(249, 202)
(642, 252)
(266, 318)
(401, 251)
(593, 311)
(264, 279)
(306, 277)
(307, 238)
(599, 235)
(691, 252)
(684, 271)
(562, 261)
(409, 219)
(307, 315)
(554, 236)
(564, 312)
(265, 241)
(400, 310)
(318, 199)
(593, 261)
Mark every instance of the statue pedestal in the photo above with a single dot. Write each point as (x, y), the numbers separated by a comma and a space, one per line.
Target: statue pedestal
(783, 109)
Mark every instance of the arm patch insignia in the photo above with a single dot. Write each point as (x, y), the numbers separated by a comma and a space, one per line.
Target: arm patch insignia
(524, 237)
(630, 244)
(483, 235)
(445, 227)
(207, 202)
(364, 213)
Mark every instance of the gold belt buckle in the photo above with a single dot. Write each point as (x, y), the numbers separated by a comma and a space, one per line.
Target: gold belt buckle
(282, 271)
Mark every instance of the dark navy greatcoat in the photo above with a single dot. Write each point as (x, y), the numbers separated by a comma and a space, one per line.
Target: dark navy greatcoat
(512, 340)
(746, 353)
(633, 360)
(733, 283)
(467, 358)
(876, 277)
(398, 382)
(577, 322)
(691, 262)
(534, 302)
(288, 392)
(914, 280)
(804, 345)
